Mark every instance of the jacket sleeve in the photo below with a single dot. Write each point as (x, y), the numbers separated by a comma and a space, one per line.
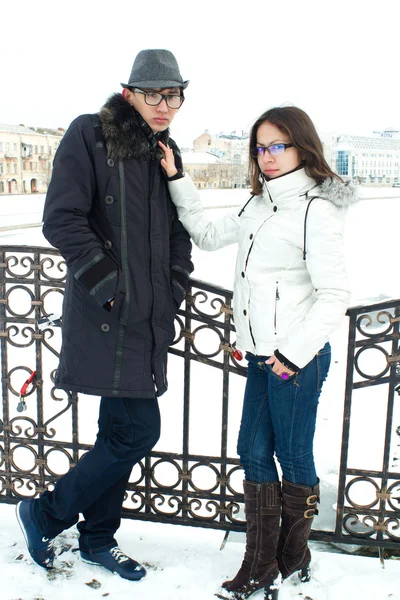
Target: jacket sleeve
(207, 234)
(66, 213)
(326, 266)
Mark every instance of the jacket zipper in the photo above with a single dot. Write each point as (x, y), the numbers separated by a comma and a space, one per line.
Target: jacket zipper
(154, 180)
(245, 267)
(252, 337)
(254, 239)
(125, 275)
(277, 297)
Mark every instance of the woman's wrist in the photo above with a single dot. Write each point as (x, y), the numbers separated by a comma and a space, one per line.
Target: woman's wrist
(177, 175)
(286, 362)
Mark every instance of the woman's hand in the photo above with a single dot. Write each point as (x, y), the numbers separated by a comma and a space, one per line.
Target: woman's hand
(278, 367)
(168, 162)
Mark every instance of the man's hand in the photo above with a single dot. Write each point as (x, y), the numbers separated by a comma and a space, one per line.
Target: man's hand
(168, 162)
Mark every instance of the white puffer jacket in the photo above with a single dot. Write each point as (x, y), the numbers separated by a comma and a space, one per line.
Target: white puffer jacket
(281, 300)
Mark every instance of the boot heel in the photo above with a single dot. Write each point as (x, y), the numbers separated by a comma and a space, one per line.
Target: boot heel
(305, 574)
(271, 592)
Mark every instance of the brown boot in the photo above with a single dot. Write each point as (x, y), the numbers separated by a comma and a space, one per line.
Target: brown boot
(299, 505)
(259, 567)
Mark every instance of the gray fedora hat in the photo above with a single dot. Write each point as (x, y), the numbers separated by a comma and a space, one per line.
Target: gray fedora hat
(155, 69)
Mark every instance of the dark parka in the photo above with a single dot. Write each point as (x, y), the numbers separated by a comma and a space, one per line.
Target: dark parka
(109, 213)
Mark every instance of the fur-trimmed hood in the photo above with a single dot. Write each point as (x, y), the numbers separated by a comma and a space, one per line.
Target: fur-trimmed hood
(126, 133)
(341, 194)
(297, 184)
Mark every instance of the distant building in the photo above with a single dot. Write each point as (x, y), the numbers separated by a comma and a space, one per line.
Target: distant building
(232, 150)
(207, 171)
(368, 160)
(26, 158)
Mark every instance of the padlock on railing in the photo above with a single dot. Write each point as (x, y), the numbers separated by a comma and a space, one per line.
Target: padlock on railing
(236, 354)
(21, 403)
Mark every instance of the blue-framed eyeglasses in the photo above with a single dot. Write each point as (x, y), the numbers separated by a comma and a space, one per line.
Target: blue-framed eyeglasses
(273, 150)
(155, 98)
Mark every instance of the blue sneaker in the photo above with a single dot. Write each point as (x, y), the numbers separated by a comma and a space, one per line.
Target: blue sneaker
(115, 561)
(40, 547)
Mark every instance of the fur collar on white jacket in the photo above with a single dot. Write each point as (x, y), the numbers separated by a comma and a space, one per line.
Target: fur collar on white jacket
(281, 300)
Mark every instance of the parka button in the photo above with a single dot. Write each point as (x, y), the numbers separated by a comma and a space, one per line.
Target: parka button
(242, 273)
(251, 236)
(245, 312)
(110, 162)
(105, 327)
(109, 199)
(275, 208)
(107, 244)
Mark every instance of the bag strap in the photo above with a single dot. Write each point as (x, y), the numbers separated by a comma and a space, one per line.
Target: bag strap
(305, 227)
(98, 131)
(242, 210)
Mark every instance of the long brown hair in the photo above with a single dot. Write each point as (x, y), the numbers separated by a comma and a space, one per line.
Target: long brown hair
(302, 133)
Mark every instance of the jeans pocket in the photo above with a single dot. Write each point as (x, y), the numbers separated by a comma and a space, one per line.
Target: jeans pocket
(279, 377)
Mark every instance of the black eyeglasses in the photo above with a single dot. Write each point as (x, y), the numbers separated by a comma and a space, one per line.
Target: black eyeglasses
(155, 98)
(273, 150)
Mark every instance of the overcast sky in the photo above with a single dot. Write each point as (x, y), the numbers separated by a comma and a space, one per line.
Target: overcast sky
(339, 61)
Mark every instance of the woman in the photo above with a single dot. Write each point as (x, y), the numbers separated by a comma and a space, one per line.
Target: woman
(290, 294)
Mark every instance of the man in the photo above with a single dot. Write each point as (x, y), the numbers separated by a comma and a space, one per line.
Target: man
(109, 213)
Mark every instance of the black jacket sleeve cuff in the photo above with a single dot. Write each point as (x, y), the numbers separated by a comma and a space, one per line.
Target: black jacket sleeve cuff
(179, 283)
(286, 362)
(106, 289)
(100, 277)
(177, 175)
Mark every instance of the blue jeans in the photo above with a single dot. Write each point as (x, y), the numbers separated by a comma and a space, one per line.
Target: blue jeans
(279, 419)
(95, 487)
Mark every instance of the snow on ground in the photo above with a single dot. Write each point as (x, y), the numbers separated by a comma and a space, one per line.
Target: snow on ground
(20, 209)
(185, 562)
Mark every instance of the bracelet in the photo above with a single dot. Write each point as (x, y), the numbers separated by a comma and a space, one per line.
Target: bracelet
(286, 362)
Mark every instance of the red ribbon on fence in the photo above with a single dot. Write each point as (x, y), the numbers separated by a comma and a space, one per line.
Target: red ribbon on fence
(27, 383)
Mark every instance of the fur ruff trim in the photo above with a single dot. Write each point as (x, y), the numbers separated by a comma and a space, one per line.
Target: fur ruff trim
(125, 136)
(340, 194)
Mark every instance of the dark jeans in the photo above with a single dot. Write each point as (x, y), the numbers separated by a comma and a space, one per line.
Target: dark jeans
(128, 429)
(279, 418)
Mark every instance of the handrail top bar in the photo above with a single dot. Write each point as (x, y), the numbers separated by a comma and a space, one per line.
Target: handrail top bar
(390, 302)
(206, 286)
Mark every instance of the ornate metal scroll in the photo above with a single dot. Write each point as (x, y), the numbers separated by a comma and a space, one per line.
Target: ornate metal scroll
(368, 509)
(202, 490)
(193, 477)
(32, 281)
(39, 445)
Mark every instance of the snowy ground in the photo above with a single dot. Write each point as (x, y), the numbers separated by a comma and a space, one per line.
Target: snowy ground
(186, 563)
(183, 564)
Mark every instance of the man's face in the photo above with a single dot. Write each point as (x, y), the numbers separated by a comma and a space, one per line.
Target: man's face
(158, 117)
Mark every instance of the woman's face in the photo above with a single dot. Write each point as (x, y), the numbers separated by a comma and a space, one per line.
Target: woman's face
(274, 164)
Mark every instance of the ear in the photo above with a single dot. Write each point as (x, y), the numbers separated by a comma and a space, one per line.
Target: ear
(126, 94)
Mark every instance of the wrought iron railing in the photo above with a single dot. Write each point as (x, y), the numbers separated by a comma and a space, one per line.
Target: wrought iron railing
(368, 508)
(179, 481)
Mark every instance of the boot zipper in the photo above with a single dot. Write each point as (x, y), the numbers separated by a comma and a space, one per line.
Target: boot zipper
(258, 536)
